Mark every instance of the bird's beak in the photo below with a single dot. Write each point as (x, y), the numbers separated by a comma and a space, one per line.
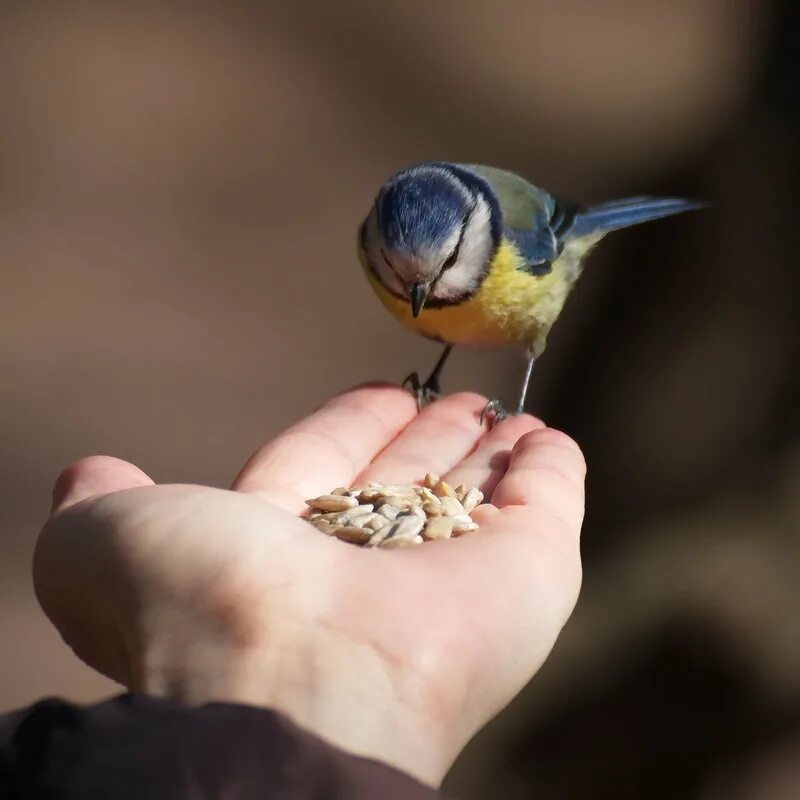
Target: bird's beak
(418, 294)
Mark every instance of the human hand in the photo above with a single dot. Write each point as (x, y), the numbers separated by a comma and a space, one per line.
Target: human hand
(206, 594)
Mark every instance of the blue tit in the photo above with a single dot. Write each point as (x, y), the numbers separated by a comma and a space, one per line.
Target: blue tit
(477, 256)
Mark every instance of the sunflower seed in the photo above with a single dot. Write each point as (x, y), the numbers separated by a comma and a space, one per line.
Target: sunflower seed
(376, 523)
(444, 489)
(433, 509)
(431, 480)
(332, 502)
(473, 498)
(346, 517)
(416, 510)
(394, 542)
(426, 495)
(451, 506)
(439, 528)
(397, 501)
(400, 491)
(406, 527)
(460, 491)
(340, 490)
(389, 512)
(379, 535)
(353, 534)
(370, 494)
(463, 523)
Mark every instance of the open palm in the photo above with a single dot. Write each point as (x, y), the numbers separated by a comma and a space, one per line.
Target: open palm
(210, 594)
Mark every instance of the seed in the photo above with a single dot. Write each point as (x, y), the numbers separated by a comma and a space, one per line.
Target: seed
(353, 534)
(340, 490)
(451, 506)
(416, 510)
(401, 491)
(370, 494)
(465, 527)
(394, 543)
(321, 525)
(332, 502)
(463, 523)
(406, 527)
(473, 498)
(346, 517)
(380, 534)
(431, 480)
(433, 509)
(389, 512)
(460, 491)
(376, 523)
(425, 493)
(439, 528)
(444, 489)
(397, 501)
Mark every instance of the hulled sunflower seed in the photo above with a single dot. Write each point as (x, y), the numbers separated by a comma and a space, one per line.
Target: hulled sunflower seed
(444, 489)
(433, 509)
(388, 512)
(451, 506)
(463, 523)
(354, 534)
(425, 493)
(439, 528)
(473, 498)
(394, 515)
(398, 501)
(346, 517)
(431, 480)
(406, 527)
(332, 502)
(394, 542)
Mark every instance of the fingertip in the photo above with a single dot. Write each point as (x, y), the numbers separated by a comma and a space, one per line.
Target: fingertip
(92, 476)
(551, 437)
(517, 426)
(376, 394)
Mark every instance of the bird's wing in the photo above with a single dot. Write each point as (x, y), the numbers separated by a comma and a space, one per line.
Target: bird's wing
(533, 219)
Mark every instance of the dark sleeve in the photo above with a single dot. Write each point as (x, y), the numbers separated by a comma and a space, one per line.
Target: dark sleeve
(135, 747)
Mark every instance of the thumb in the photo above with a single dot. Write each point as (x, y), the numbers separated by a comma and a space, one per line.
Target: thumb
(92, 477)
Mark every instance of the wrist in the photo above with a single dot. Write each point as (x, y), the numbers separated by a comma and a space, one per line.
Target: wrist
(346, 695)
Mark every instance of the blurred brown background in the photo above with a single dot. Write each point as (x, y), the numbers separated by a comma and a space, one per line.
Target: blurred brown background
(180, 187)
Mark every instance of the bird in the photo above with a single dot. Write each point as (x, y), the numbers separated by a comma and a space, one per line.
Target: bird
(477, 256)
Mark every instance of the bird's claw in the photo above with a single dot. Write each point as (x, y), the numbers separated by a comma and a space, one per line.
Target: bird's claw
(494, 411)
(424, 392)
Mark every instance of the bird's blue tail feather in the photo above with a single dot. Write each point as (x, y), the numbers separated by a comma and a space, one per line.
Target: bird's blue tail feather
(630, 211)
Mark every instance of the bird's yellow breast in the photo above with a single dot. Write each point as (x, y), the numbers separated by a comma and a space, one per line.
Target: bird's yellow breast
(511, 305)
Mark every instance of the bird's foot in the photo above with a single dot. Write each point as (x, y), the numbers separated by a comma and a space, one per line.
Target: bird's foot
(424, 392)
(493, 412)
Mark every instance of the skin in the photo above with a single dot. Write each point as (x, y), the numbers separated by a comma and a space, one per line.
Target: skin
(204, 594)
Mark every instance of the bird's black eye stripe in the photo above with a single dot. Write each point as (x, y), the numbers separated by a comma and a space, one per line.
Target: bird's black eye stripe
(453, 257)
(389, 263)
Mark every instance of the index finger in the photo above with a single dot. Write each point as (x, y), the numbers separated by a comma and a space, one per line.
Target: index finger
(330, 447)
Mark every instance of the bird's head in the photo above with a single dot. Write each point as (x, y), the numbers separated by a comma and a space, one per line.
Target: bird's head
(431, 234)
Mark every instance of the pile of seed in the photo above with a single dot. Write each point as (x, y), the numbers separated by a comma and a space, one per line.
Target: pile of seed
(391, 516)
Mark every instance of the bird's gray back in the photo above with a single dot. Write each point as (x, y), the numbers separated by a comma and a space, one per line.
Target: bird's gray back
(522, 204)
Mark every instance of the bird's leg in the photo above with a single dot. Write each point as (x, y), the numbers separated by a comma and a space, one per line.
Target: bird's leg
(526, 379)
(430, 390)
(496, 409)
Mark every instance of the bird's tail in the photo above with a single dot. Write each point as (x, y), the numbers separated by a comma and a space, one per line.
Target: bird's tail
(630, 211)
